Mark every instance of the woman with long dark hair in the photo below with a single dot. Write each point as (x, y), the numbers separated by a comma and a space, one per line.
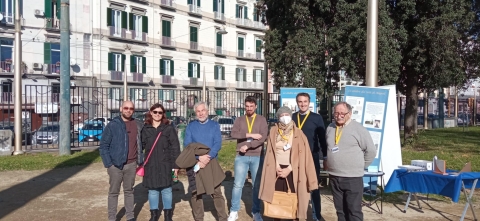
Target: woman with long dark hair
(158, 169)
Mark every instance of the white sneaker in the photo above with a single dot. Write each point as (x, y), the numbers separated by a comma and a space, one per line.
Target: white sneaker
(257, 217)
(233, 216)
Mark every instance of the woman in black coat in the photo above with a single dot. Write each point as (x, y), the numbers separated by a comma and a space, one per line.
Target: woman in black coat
(158, 169)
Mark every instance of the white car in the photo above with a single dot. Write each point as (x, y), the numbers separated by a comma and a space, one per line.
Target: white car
(226, 124)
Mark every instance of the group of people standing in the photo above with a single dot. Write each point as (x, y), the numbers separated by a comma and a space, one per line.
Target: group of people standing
(289, 162)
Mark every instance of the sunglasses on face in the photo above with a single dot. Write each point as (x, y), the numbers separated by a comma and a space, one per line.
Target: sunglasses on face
(157, 112)
(128, 108)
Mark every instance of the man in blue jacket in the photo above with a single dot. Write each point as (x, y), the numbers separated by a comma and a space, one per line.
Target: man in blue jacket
(121, 152)
(206, 132)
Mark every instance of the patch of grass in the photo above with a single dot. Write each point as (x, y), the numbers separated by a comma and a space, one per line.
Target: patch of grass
(39, 161)
(227, 154)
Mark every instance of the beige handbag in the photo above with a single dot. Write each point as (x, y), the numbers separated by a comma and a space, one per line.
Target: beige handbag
(283, 206)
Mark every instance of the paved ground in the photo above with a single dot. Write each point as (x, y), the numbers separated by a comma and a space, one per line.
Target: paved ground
(80, 193)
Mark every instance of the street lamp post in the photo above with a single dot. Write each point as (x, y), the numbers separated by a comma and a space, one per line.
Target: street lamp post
(372, 44)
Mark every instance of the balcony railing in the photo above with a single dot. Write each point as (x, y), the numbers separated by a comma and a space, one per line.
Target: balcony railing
(117, 32)
(193, 82)
(259, 55)
(136, 77)
(240, 53)
(193, 45)
(167, 41)
(116, 75)
(167, 79)
(252, 85)
(250, 24)
(219, 16)
(219, 50)
(7, 97)
(52, 23)
(194, 9)
(54, 68)
(139, 37)
(168, 3)
(6, 67)
(220, 83)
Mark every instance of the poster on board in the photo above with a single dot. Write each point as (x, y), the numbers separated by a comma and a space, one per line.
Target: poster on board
(288, 97)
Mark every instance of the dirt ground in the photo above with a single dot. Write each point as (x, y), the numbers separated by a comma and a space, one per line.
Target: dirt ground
(80, 193)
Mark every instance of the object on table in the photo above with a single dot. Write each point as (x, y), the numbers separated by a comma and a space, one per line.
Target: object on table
(466, 168)
(440, 167)
(411, 168)
(423, 163)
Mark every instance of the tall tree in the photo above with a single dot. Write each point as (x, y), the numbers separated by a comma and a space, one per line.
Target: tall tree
(295, 43)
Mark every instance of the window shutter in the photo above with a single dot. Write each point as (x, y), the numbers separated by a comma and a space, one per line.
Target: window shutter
(47, 58)
(132, 94)
(198, 70)
(144, 24)
(240, 43)
(133, 64)
(130, 21)
(110, 93)
(144, 65)
(244, 74)
(219, 40)
(2, 7)
(58, 6)
(237, 11)
(124, 19)
(198, 3)
(48, 8)
(189, 2)
(190, 69)
(192, 30)
(123, 62)
(254, 75)
(261, 76)
(172, 94)
(160, 95)
(164, 28)
(172, 68)
(255, 17)
(169, 29)
(162, 67)
(215, 5)
(144, 94)
(245, 9)
(223, 73)
(109, 17)
(110, 61)
(223, 6)
(237, 71)
(215, 72)
(258, 45)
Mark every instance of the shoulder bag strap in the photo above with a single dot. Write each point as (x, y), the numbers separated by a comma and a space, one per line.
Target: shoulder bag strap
(153, 147)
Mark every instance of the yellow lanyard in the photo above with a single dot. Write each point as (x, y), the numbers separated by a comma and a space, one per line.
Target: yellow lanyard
(250, 126)
(300, 124)
(285, 138)
(337, 135)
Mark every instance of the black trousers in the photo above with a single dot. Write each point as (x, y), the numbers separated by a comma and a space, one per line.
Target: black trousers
(347, 197)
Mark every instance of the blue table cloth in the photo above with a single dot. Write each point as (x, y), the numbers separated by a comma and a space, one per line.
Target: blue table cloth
(430, 182)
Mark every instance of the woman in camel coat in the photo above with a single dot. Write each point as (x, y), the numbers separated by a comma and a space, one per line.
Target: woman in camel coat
(288, 156)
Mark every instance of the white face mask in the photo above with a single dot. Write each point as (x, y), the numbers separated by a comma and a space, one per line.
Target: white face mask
(285, 119)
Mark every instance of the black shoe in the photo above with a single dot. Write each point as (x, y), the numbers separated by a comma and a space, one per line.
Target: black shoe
(168, 214)
(154, 215)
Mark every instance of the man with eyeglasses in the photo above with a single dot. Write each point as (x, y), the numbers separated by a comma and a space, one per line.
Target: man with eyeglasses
(313, 127)
(350, 151)
(121, 152)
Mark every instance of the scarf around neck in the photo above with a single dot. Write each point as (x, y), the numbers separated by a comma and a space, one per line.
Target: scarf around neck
(285, 128)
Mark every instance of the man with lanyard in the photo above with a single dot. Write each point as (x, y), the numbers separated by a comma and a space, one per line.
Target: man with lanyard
(251, 132)
(314, 129)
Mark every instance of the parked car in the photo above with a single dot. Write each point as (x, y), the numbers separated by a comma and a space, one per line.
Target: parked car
(78, 127)
(176, 120)
(46, 134)
(26, 131)
(226, 124)
(464, 119)
(91, 131)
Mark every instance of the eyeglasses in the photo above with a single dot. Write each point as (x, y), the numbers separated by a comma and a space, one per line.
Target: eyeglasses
(128, 108)
(336, 114)
(157, 112)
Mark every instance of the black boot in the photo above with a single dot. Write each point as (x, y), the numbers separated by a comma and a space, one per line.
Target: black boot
(154, 214)
(168, 214)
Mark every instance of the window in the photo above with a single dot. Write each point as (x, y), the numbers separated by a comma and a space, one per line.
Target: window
(219, 6)
(138, 24)
(193, 70)
(240, 74)
(219, 72)
(8, 9)
(258, 45)
(257, 16)
(167, 67)
(115, 93)
(51, 56)
(194, 2)
(241, 11)
(241, 45)
(166, 32)
(52, 13)
(116, 62)
(219, 43)
(257, 75)
(6, 49)
(137, 93)
(137, 64)
(117, 20)
(193, 37)
(165, 95)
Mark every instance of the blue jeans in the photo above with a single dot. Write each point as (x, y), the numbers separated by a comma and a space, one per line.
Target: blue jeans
(153, 197)
(242, 165)
(315, 195)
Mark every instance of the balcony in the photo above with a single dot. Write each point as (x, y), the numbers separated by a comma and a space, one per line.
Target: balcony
(139, 36)
(116, 75)
(52, 24)
(167, 80)
(194, 46)
(249, 56)
(249, 85)
(259, 56)
(219, 50)
(194, 9)
(168, 4)
(9, 19)
(6, 67)
(193, 82)
(168, 42)
(220, 83)
(117, 32)
(7, 97)
(54, 68)
(240, 53)
(138, 78)
(218, 16)
(247, 23)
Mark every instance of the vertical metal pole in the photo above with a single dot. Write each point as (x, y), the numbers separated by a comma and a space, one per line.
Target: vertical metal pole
(204, 88)
(65, 134)
(372, 44)
(266, 104)
(18, 82)
(475, 105)
(125, 92)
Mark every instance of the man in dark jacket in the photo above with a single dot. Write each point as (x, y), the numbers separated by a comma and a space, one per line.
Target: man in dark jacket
(121, 152)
